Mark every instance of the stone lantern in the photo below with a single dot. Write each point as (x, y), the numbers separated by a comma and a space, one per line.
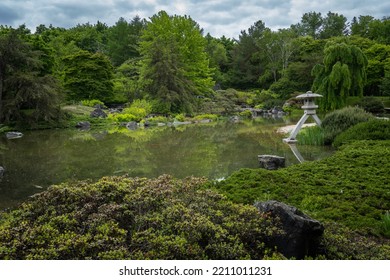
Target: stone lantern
(310, 110)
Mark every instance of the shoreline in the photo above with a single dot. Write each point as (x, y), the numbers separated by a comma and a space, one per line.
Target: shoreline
(288, 128)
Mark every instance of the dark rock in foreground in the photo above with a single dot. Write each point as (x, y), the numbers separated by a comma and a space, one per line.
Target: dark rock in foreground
(303, 233)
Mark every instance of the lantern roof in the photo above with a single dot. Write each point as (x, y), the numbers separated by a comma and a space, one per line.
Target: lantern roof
(308, 94)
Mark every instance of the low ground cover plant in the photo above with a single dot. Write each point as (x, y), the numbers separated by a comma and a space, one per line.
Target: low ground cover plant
(134, 218)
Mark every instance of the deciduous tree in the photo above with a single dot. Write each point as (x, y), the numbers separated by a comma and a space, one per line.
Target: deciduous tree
(88, 76)
(342, 74)
(175, 69)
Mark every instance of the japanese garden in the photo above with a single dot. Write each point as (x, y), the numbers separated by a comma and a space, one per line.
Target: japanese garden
(142, 140)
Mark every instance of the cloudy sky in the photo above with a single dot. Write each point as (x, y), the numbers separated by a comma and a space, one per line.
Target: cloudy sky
(218, 17)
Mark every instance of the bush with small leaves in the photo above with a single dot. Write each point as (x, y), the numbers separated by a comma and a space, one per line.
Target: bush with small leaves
(340, 120)
(135, 218)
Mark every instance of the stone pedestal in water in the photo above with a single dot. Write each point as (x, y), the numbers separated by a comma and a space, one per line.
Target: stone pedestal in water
(271, 162)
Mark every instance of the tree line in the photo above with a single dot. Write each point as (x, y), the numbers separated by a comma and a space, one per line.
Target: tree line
(170, 62)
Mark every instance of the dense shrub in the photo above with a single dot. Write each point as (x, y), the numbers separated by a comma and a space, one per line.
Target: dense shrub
(372, 105)
(139, 108)
(338, 121)
(349, 190)
(123, 117)
(350, 187)
(180, 117)
(158, 119)
(134, 218)
(342, 243)
(91, 103)
(212, 117)
(375, 129)
(246, 114)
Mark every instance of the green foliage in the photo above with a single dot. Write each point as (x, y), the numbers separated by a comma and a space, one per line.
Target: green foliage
(386, 224)
(28, 93)
(342, 74)
(123, 39)
(137, 111)
(311, 136)
(246, 114)
(371, 130)
(134, 218)
(338, 121)
(88, 76)
(212, 117)
(91, 103)
(221, 102)
(123, 117)
(342, 243)
(158, 119)
(127, 86)
(174, 65)
(348, 188)
(371, 104)
(180, 117)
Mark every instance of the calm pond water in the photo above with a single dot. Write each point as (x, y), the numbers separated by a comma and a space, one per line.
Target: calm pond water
(215, 150)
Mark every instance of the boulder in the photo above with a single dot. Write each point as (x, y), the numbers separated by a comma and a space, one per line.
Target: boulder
(302, 233)
(13, 134)
(131, 125)
(98, 113)
(83, 125)
(2, 170)
(271, 162)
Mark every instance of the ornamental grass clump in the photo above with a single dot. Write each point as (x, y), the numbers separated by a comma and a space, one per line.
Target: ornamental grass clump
(311, 136)
(386, 224)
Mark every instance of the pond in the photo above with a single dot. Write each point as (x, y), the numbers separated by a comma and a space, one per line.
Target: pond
(215, 150)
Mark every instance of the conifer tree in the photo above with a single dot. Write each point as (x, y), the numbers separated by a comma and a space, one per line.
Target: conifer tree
(27, 91)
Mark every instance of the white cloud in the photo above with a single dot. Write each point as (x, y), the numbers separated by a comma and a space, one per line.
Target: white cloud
(218, 17)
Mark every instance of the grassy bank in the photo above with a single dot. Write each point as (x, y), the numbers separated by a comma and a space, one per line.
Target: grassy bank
(351, 187)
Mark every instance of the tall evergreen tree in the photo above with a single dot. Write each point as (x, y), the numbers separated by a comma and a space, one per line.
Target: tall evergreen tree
(249, 58)
(123, 40)
(27, 90)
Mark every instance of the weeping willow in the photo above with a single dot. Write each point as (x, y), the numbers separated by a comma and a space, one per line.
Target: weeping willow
(342, 74)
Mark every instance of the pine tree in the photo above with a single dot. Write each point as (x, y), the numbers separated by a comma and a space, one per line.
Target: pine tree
(27, 91)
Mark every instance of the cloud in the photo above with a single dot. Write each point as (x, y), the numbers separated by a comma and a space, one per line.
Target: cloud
(217, 17)
(8, 14)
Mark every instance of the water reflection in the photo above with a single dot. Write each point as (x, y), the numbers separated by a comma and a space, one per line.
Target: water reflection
(296, 152)
(214, 150)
